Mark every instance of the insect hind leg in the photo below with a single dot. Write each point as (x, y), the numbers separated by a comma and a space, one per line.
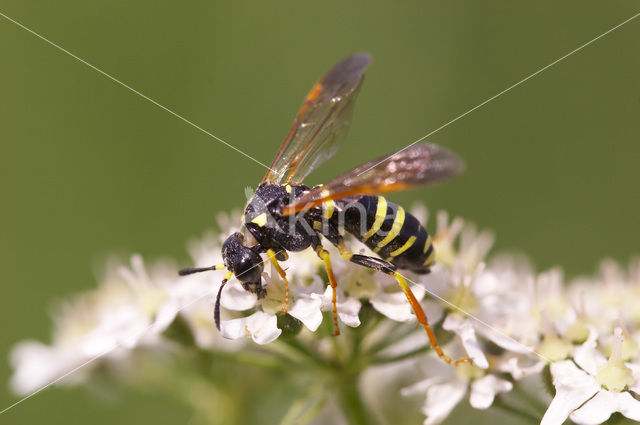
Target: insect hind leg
(373, 263)
(390, 269)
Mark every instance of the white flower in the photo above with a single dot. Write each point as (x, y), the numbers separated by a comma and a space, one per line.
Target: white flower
(199, 318)
(457, 278)
(308, 307)
(260, 326)
(309, 296)
(348, 307)
(395, 306)
(446, 387)
(153, 296)
(509, 320)
(442, 397)
(592, 388)
(38, 365)
(131, 307)
(459, 242)
(465, 330)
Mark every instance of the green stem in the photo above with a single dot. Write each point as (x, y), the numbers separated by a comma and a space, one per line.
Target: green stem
(395, 334)
(355, 351)
(528, 399)
(351, 402)
(313, 411)
(399, 357)
(189, 383)
(303, 350)
(502, 405)
(250, 359)
(307, 407)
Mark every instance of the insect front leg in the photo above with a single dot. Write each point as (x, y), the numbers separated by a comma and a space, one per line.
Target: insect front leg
(390, 269)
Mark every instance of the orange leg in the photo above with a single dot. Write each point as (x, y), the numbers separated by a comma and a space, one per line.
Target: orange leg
(324, 255)
(422, 319)
(388, 268)
(272, 257)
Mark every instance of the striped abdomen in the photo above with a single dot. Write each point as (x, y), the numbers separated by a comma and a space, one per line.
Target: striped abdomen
(391, 232)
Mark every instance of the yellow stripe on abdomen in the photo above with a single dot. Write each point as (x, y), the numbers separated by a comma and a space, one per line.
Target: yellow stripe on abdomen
(381, 214)
(427, 244)
(430, 261)
(395, 230)
(404, 247)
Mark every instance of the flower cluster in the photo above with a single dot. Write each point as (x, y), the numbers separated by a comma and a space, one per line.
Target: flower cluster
(514, 324)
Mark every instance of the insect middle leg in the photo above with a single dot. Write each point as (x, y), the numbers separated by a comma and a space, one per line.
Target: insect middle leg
(390, 269)
(324, 256)
(283, 275)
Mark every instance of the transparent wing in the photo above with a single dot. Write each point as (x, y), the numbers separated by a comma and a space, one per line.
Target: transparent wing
(417, 165)
(322, 122)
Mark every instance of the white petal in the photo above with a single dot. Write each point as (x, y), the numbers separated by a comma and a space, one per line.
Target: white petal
(434, 310)
(302, 265)
(348, 312)
(235, 297)
(316, 286)
(260, 326)
(394, 305)
(464, 329)
(573, 387)
(123, 327)
(603, 404)
(348, 309)
(308, 305)
(441, 399)
(484, 390)
(635, 372)
(421, 386)
(594, 411)
(420, 212)
(628, 406)
(512, 366)
(263, 327)
(37, 364)
(165, 315)
(199, 318)
(307, 310)
(587, 355)
(505, 341)
(437, 282)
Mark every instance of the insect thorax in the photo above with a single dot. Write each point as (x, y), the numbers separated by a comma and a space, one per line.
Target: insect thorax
(273, 231)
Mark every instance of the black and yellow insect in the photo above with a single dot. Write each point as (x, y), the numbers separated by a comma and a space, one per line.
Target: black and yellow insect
(285, 215)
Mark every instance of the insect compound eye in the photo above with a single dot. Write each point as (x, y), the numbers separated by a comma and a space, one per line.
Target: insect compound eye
(242, 261)
(249, 267)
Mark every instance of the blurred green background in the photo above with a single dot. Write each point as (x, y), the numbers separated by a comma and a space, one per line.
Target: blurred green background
(89, 168)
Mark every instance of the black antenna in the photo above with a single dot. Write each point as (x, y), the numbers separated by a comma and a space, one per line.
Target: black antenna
(192, 270)
(216, 310)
